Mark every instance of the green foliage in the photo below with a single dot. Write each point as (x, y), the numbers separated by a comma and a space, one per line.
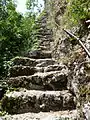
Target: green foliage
(9, 23)
(17, 33)
(78, 11)
(29, 32)
(31, 4)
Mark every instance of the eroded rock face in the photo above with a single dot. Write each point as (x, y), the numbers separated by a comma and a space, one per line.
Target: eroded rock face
(80, 86)
(36, 101)
(81, 76)
(84, 101)
(86, 111)
(88, 42)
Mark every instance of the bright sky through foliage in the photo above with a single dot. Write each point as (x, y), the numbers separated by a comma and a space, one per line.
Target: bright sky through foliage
(21, 7)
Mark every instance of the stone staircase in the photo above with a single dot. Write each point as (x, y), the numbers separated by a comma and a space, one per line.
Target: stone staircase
(40, 86)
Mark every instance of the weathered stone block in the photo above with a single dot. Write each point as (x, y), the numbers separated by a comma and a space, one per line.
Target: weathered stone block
(54, 80)
(36, 101)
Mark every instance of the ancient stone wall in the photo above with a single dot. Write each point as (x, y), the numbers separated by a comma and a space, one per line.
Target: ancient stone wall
(63, 48)
(71, 53)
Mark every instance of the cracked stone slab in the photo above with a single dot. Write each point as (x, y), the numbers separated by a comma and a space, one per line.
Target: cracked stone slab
(35, 101)
(69, 115)
(54, 80)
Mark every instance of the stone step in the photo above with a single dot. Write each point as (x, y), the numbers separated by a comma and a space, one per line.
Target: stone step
(44, 32)
(43, 39)
(37, 54)
(37, 101)
(60, 115)
(19, 70)
(45, 43)
(44, 36)
(45, 62)
(54, 80)
(43, 47)
(56, 67)
(25, 61)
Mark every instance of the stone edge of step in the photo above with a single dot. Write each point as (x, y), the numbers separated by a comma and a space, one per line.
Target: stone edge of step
(72, 115)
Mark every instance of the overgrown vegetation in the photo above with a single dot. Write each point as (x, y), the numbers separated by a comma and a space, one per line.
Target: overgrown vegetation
(77, 11)
(17, 32)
